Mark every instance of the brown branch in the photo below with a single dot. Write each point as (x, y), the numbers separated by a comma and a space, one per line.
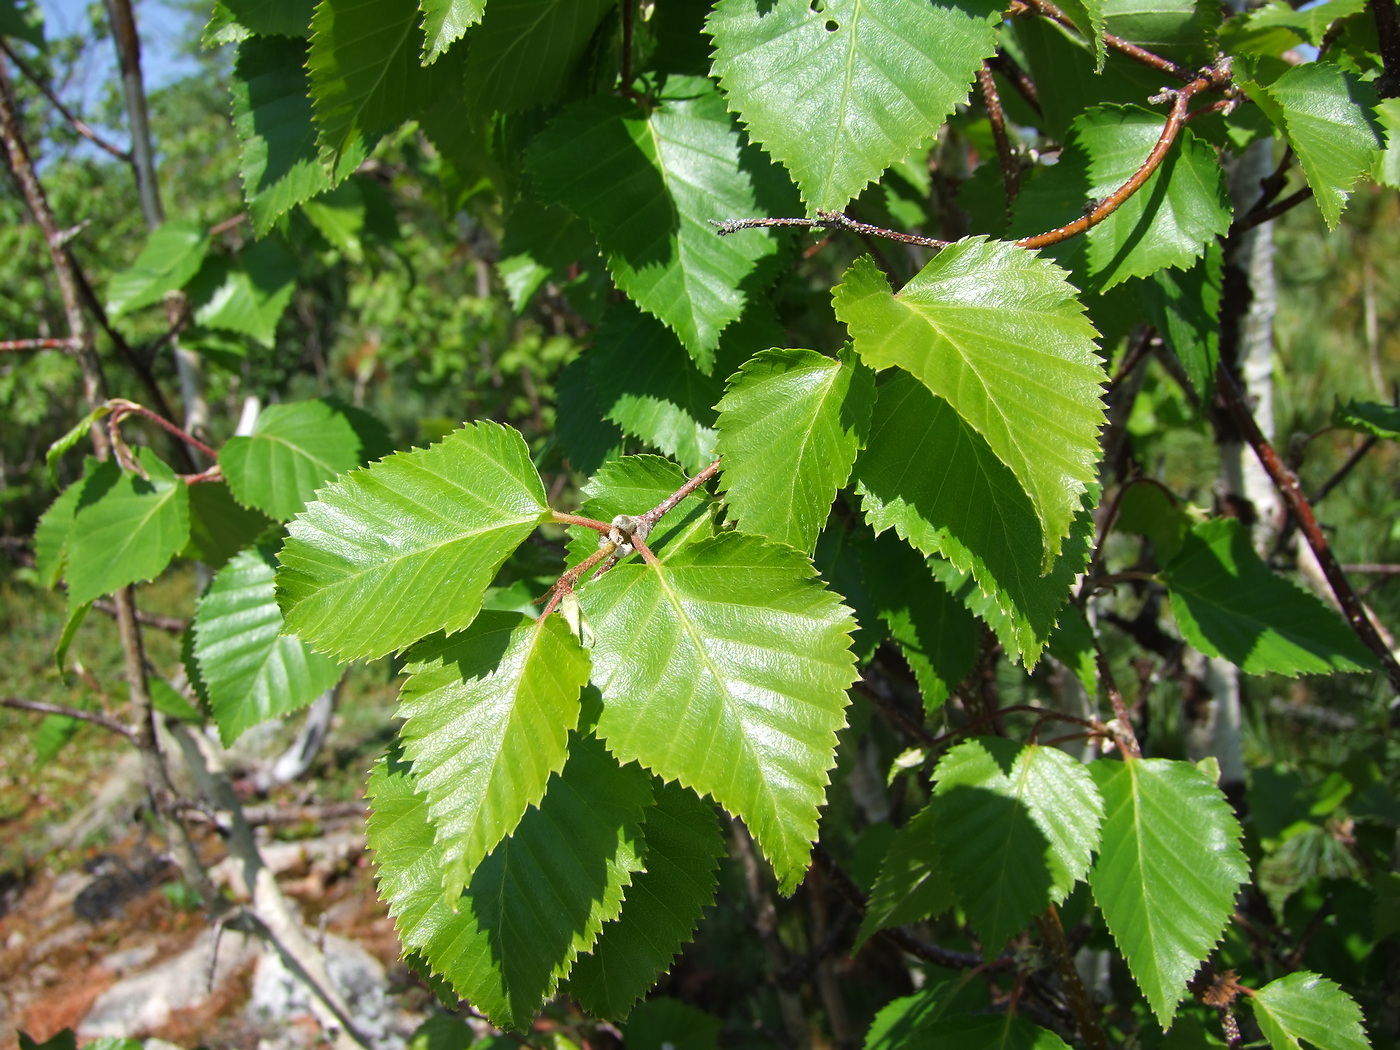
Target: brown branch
(646, 522)
(1301, 510)
(1010, 170)
(1123, 733)
(229, 224)
(1008, 67)
(1388, 35)
(44, 708)
(1106, 207)
(1080, 1005)
(123, 408)
(14, 346)
(1115, 43)
(1253, 218)
(826, 220)
(78, 124)
(171, 624)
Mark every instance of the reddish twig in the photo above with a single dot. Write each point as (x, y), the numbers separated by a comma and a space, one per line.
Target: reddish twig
(827, 220)
(1123, 732)
(13, 346)
(122, 408)
(1106, 207)
(1010, 170)
(44, 708)
(1301, 510)
(229, 224)
(77, 123)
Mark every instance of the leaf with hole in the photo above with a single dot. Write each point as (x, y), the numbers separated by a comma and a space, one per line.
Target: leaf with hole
(725, 666)
(397, 550)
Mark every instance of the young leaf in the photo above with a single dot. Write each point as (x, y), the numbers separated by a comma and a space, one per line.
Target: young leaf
(996, 332)
(912, 884)
(126, 528)
(54, 528)
(1168, 869)
(1368, 417)
(248, 293)
(297, 447)
(633, 485)
(932, 625)
(1229, 603)
(1308, 1006)
(726, 667)
(444, 22)
(662, 908)
(966, 506)
(1088, 18)
(1016, 827)
(395, 551)
(489, 713)
(539, 899)
(251, 671)
(648, 183)
(839, 91)
(272, 116)
(173, 254)
(526, 50)
(790, 427)
(1327, 117)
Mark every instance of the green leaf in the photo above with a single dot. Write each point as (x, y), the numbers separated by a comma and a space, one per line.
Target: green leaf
(72, 621)
(931, 625)
(790, 427)
(739, 686)
(173, 254)
(902, 1023)
(648, 183)
(488, 712)
(541, 242)
(1368, 417)
(912, 884)
(297, 447)
(996, 332)
(1327, 118)
(251, 670)
(51, 736)
(54, 528)
(538, 900)
(1308, 1006)
(1004, 1032)
(526, 51)
(1184, 305)
(586, 436)
(840, 90)
(1182, 29)
(634, 485)
(273, 17)
(1229, 603)
(1385, 168)
(964, 505)
(444, 23)
(662, 1023)
(1168, 869)
(248, 293)
(23, 20)
(1016, 827)
(1309, 25)
(219, 526)
(662, 908)
(1088, 17)
(395, 551)
(76, 433)
(126, 528)
(364, 69)
(166, 700)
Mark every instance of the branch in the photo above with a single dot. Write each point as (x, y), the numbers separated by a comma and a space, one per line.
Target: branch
(172, 624)
(44, 708)
(1115, 43)
(121, 408)
(14, 346)
(1292, 492)
(1080, 1005)
(1175, 121)
(77, 123)
(827, 220)
(1010, 170)
(1388, 34)
(1008, 67)
(1127, 739)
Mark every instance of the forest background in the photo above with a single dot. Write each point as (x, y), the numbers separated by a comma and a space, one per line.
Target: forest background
(407, 294)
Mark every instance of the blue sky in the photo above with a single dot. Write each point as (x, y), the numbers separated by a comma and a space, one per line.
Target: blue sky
(161, 27)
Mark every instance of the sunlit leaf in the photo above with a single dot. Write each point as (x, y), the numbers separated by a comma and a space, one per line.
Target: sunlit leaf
(1308, 1006)
(444, 22)
(173, 254)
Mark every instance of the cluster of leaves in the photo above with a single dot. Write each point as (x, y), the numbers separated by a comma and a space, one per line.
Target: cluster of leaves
(546, 817)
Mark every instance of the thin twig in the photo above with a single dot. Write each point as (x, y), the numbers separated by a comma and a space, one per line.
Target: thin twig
(646, 522)
(1346, 468)
(22, 345)
(78, 124)
(123, 408)
(44, 708)
(1008, 67)
(1254, 218)
(171, 624)
(1371, 568)
(229, 224)
(1116, 43)
(1292, 492)
(1010, 169)
(1123, 732)
(1175, 121)
(827, 220)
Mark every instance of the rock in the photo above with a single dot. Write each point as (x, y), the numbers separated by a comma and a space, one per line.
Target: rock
(145, 1000)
